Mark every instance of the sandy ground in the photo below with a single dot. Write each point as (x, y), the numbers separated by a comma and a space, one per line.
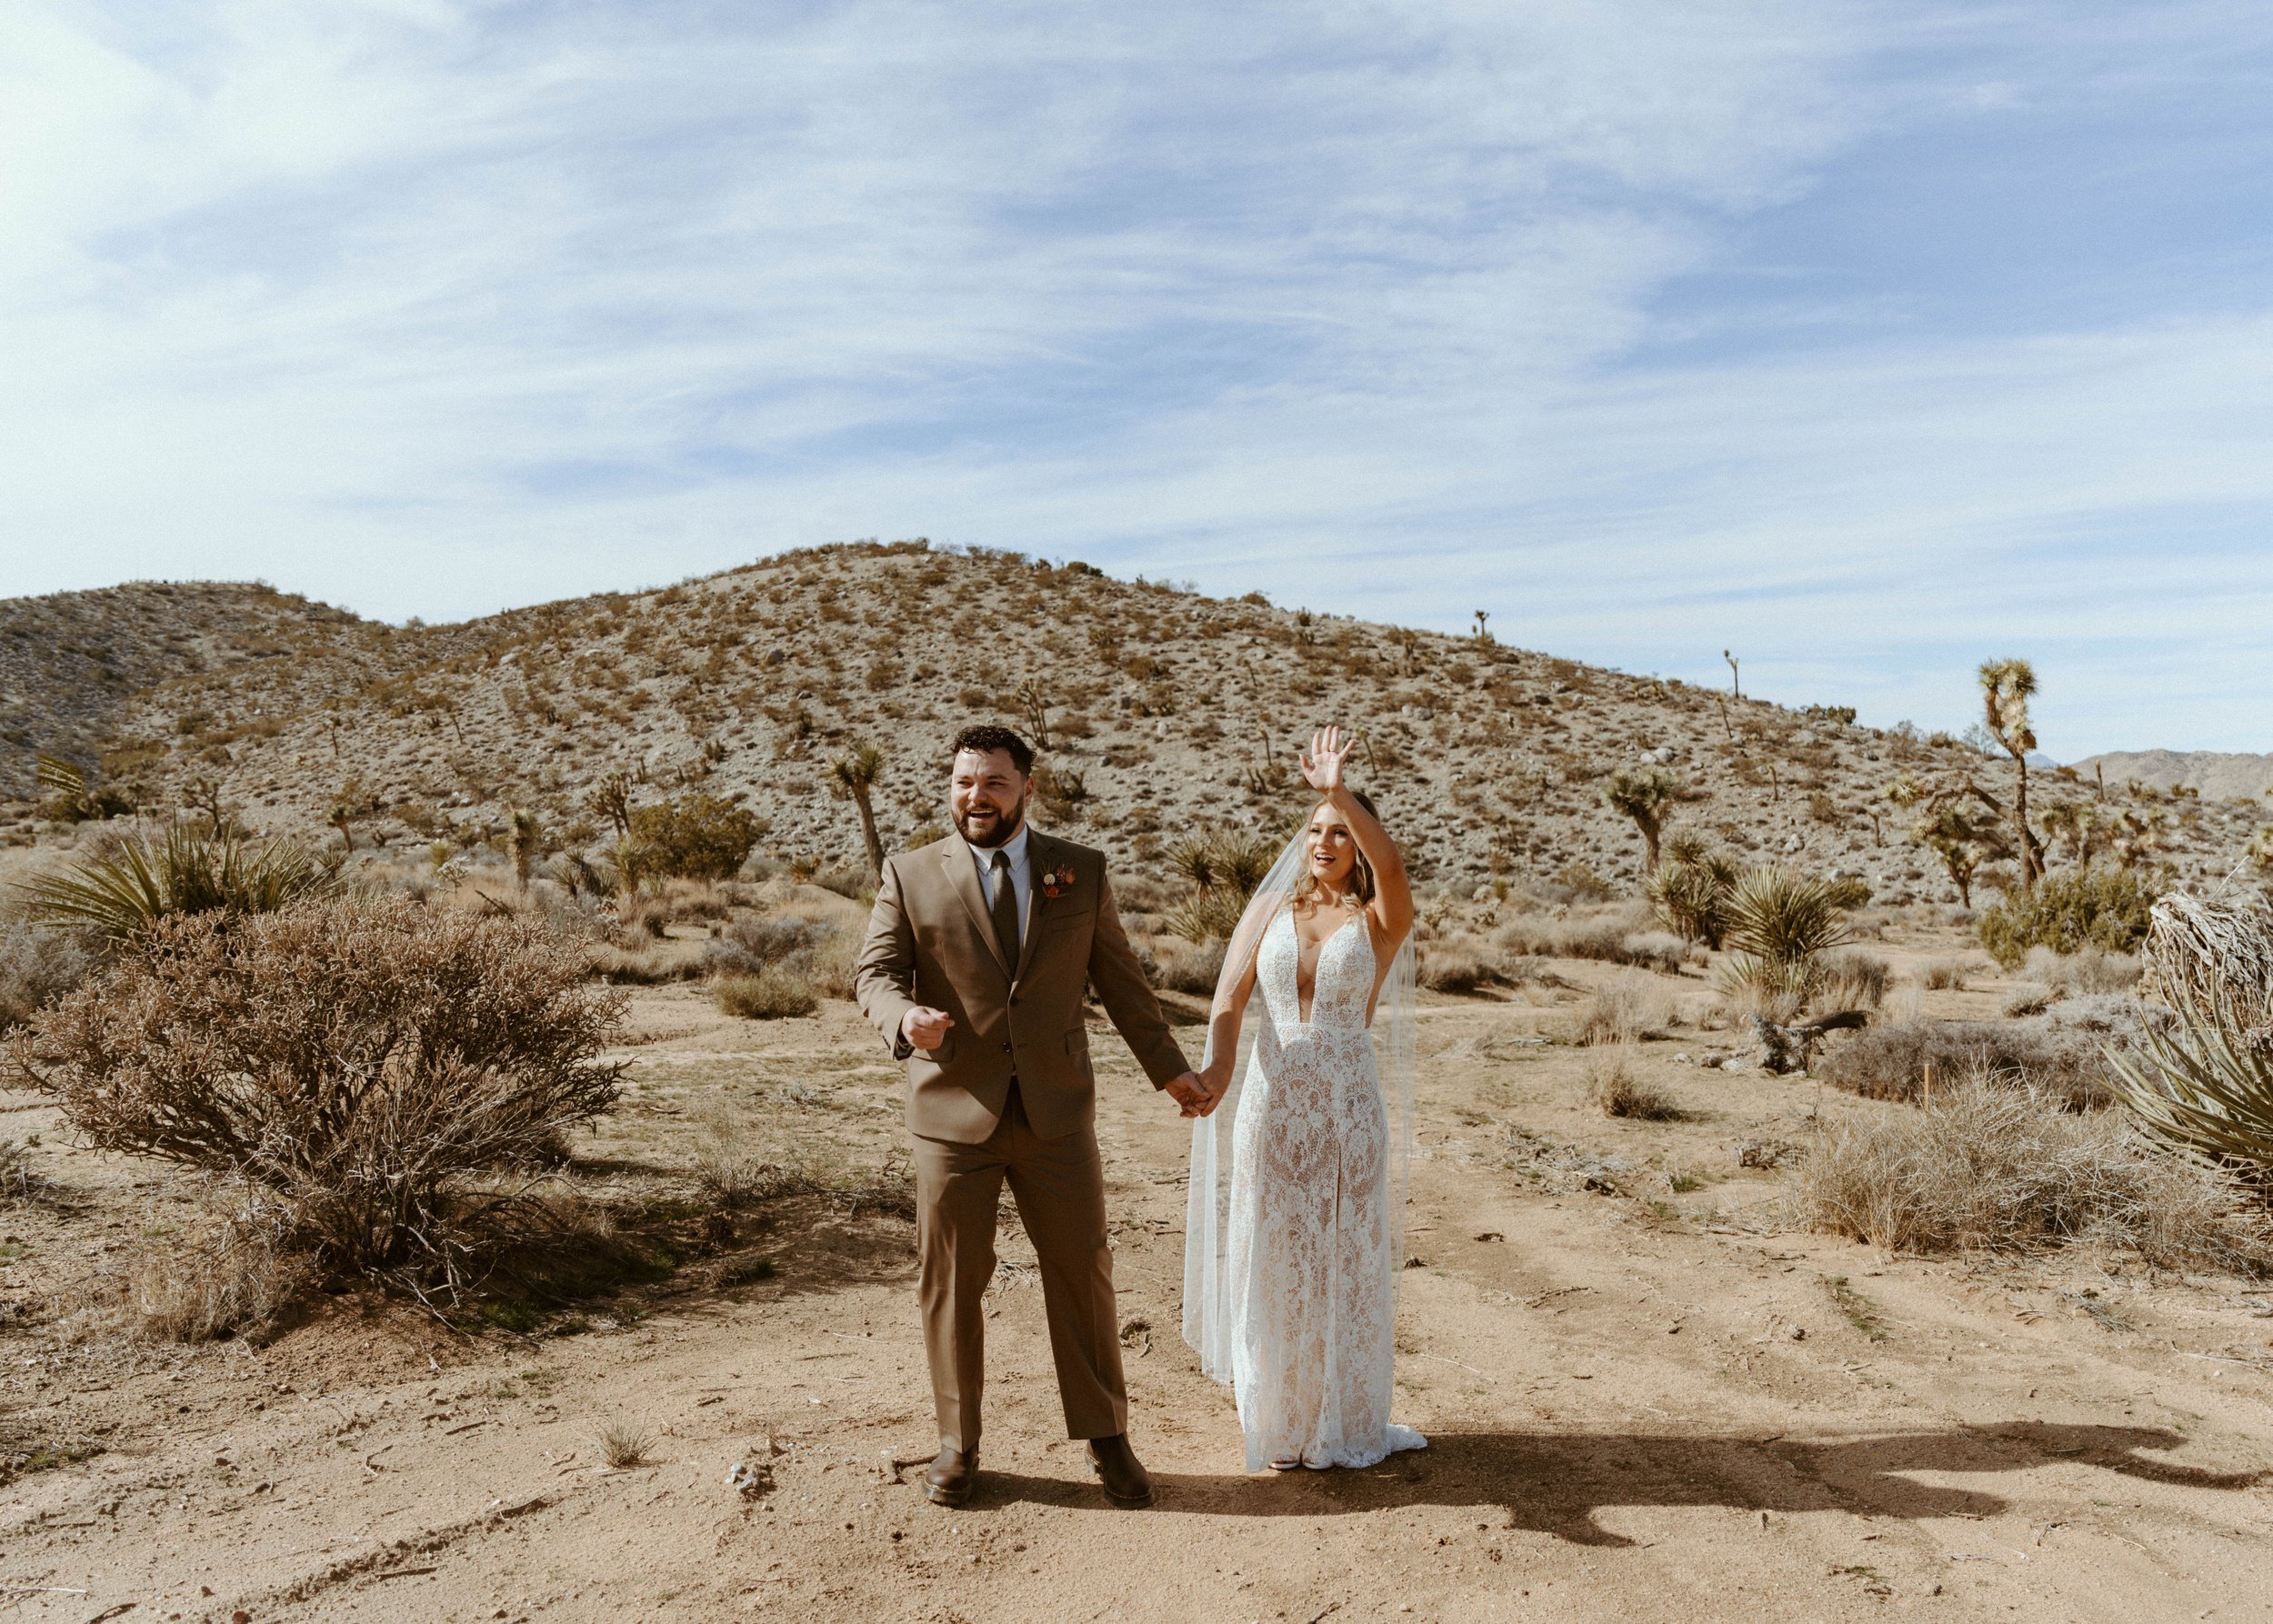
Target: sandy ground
(1646, 1399)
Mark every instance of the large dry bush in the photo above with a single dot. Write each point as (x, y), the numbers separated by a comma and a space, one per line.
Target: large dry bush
(1622, 933)
(366, 1059)
(1993, 1167)
(2061, 1054)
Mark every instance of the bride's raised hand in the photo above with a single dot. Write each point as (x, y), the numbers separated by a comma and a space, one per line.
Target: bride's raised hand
(1322, 767)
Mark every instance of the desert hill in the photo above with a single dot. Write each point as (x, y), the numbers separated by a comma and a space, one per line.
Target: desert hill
(70, 662)
(1163, 711)
(2214, 774)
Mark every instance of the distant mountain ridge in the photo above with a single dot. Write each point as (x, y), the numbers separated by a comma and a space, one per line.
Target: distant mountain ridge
(2215, 774)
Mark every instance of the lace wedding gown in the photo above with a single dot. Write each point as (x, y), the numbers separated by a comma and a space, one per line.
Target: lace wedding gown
(1312, 1303)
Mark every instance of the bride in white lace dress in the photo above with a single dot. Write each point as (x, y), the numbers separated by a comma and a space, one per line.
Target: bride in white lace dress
(1293, 1248)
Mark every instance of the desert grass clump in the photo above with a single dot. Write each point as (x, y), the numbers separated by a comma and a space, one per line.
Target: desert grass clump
(2084, 972)
(1853, 980)
(1616, 1087)
(369, 1062)
(240, 1281)
(129, 883)
(779, 991)
(1998, 1169)
(623, 1444)
(38, 965)
(1181, 965)
(1625, 1009)
(1458, 963)
(1944, 974)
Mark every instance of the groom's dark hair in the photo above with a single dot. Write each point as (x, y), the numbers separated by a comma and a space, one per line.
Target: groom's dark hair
(985, 737)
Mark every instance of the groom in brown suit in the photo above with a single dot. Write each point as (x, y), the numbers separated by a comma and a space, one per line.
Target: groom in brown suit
(974, 968)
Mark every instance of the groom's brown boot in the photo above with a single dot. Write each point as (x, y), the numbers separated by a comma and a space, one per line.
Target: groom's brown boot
(1123, 1475)
(951, 1477)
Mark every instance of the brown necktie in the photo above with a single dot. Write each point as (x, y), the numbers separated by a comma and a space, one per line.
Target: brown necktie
(1006, 911)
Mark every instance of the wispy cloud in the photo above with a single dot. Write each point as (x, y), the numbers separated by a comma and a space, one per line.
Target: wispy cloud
(1599, 315)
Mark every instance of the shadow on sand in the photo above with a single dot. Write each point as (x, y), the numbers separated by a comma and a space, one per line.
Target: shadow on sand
(1555, 1482)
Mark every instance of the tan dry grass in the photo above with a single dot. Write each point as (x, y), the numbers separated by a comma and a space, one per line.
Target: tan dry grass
(1993, 1167)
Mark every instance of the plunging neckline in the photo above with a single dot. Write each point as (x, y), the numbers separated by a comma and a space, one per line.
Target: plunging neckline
(1304, 1006)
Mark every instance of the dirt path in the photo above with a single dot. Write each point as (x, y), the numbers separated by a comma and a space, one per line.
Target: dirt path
(1646, 1403)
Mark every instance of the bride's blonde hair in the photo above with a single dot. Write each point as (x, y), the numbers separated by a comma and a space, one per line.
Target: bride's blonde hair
(1360, 889)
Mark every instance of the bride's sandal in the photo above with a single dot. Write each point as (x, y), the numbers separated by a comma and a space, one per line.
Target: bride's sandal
(1293, 1464)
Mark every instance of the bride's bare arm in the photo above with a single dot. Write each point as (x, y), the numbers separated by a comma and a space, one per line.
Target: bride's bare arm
(1224, 1018)
(1391, 911)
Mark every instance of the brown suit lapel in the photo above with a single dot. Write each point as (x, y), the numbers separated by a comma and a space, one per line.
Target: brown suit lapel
(1041, 857)
(963, 877)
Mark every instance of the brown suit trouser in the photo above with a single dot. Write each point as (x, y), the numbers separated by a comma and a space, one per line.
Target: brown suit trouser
(1059, 1185)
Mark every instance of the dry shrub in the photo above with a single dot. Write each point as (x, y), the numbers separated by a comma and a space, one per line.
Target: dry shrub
(1625, 1009)
(1616, 1087)
(1622, 934)
(1852, 979)
(1658, 950)
(2088, 970)
(645, 967)
(778, 992)
(753, 941)
(1995, 1168)
(1182, 966)
(1459, 963)
(364, 1059)
(2057, 1058)
(1942, 975)
(830, 962)
(38, 965)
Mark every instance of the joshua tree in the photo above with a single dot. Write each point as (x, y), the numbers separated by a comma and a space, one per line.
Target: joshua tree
(1037, 705)
(1482, 634)
(2080, 826)
(611, 800)
(1736, 682)
(2006, 688)
(342, 817)
(528, 840)
(853, 778)
(1962, 841)
(1643, 797)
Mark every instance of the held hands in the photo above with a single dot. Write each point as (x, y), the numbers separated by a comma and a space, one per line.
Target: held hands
(1191, 1095)
(924, 1027)
(1323, 766)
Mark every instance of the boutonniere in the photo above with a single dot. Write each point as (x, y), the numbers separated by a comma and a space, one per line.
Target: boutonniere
(1057, 881)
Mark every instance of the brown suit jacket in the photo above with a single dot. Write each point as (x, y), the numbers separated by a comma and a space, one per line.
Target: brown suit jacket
(931, 941)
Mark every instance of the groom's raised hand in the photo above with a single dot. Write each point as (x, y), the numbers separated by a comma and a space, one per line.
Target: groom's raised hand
(1190, 1095)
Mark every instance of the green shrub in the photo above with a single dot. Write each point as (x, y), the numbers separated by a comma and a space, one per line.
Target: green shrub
(698, 836)
(133, 882)
(2069, 911)
(778, 992)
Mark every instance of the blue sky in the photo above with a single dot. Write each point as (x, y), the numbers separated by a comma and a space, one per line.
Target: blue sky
(1868, 340)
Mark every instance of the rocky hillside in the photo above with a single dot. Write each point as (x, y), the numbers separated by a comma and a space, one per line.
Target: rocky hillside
(1164, 712)
(71, 663)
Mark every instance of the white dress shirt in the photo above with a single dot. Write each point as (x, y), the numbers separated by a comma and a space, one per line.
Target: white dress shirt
(1021, 875)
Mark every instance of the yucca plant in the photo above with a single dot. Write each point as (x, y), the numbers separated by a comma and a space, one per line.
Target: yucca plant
(1780, 923)
(144, 877)
(2206, 1085)
(1689, 891)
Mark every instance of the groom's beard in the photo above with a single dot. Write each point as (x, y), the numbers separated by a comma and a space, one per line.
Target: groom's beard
(989, 833)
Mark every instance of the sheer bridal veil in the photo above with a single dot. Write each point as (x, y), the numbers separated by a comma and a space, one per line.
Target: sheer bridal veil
(1210, 1293)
